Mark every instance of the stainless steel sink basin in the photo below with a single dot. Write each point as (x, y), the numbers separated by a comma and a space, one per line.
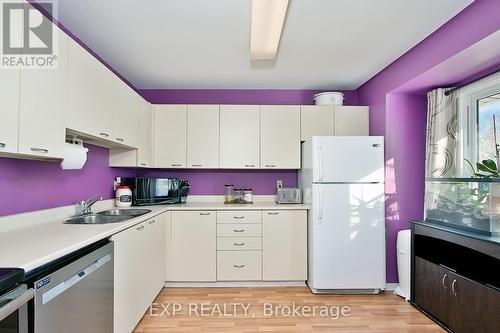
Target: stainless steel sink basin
(97, 219)
(129, 213)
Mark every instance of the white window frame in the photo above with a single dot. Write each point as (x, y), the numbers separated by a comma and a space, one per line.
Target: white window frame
(467, 120)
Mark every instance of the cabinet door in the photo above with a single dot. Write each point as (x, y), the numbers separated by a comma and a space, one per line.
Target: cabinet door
(89, 94)
(351, 121)
(193, 246)
(129, 260)
(280, 137)
(42, 115)
(168, 246)
(169, 138)
(144, 158)
(432, 284)
(203, 136)
(156, 255)
(284, 245)
(239, 136)
(9, 122)
(125, 114)
(472, 307)
(316, 120)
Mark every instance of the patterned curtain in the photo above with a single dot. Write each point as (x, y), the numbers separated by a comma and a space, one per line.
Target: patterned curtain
(441, 144)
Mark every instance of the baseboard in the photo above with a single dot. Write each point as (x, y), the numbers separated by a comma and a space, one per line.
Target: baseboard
(391, 286)
(235, 284)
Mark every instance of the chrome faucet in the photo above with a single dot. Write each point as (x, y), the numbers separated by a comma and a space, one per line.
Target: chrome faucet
(84, 207)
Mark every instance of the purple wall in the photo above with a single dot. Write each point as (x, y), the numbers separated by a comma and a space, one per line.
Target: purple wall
(402, 117)
(238, 96)
(31, 185)
(211, 182)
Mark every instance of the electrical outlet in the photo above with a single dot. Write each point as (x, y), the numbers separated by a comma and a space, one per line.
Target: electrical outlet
(279, 184)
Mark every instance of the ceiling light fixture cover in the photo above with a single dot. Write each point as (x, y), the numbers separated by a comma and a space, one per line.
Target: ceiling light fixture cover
(268, 17)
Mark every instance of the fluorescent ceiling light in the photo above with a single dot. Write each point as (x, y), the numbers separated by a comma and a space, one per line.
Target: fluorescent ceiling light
(268, 17)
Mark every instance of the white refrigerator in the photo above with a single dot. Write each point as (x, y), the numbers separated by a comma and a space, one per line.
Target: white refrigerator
(342, 178)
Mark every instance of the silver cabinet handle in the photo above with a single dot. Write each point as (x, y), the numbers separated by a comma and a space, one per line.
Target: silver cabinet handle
(176, 165)
(2, 145)
(196, 165)
(15, 303)
(443, 282)
(152, 221)
(104, 134)
(143, 164)
(39, 150)
(204, 214)
(270, 166)
(238, 266)
(453, 288)
(140, 228)
(119, 139)
(249, 165)
(272, 213)
(238, 230)
(238, 244)
(238, 217)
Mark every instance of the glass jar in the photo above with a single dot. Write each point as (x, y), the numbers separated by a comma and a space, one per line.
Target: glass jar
(228, 193)
(248, 196)
(238, 196)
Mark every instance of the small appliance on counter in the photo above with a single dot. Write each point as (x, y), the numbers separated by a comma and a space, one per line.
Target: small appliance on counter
(184, 190)
(288, 195)
(156, 191)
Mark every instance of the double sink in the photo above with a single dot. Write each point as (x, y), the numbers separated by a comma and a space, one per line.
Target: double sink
(108, 216)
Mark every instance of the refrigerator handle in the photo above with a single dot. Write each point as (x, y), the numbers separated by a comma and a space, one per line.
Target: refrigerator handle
(320, 163)
(320, 207)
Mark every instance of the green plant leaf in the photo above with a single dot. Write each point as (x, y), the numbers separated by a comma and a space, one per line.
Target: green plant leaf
(490, 164)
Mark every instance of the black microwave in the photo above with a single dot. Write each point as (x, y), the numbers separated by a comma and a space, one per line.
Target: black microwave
(156, 191)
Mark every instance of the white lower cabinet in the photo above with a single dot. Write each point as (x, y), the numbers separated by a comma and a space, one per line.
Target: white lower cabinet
(284, 238)
(193, 246)
(139, 270)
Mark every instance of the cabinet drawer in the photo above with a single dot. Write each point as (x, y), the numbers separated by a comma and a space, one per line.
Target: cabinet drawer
(239, 217)
(238, 230)
(239, 243)
(239, 265)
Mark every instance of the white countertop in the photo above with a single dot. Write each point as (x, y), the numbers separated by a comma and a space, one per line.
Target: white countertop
(42, 240)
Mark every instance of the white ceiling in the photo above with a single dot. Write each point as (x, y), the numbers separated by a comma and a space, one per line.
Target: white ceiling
(325, 44)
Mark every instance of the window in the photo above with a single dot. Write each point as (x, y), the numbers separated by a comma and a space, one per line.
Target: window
(478, 111)
(488, 122)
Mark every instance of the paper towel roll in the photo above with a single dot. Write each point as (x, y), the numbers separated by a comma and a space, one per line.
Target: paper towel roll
(74, 156)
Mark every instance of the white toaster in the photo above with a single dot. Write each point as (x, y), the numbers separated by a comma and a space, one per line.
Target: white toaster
(289, 195)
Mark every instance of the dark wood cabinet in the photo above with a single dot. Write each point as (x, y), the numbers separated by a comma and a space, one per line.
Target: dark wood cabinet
(475, 308)
(453, 282)
(431, 288)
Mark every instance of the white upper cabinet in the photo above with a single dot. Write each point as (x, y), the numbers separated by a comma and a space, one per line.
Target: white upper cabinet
(316, 120)
(280, 137)
(89, 94)
(125, 114)
(351, 121)
(144, 156)
(42, 113)
(169, 131)
(203, 136)
(239, 136)
(9, 122)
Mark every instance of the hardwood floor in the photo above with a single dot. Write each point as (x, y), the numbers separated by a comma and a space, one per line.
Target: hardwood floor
(256, 310)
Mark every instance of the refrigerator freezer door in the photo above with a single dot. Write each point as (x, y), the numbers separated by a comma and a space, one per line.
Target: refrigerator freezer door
(348, 159)
(347, 237)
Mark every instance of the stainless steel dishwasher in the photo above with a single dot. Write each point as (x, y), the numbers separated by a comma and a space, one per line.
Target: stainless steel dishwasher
(78, 297)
